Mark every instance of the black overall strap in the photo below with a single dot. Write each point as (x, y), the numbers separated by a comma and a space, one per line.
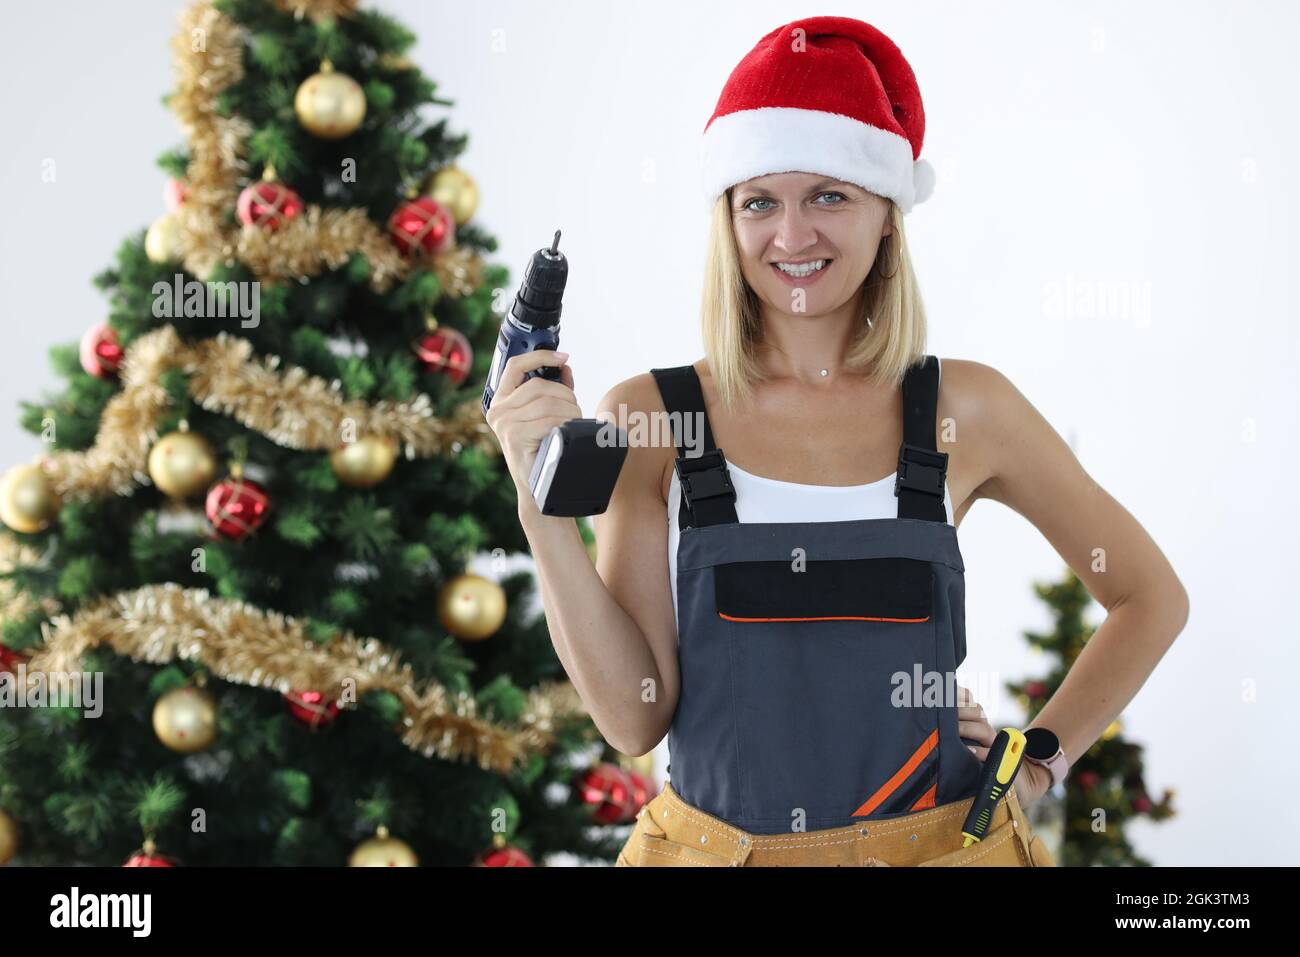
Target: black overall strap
(708, 497)
(922, 469)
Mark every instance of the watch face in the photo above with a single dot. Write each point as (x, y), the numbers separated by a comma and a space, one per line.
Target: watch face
(1041, 743)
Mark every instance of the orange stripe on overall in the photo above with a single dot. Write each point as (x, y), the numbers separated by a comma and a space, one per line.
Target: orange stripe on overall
(901, 775)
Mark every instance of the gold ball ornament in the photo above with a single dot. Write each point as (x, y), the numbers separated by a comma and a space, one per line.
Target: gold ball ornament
(182, 464)
(162, 243)
(330, 105)
(471, 607)
(8, 838)
(455, 189)
(185, 719)
(365, 462)
(382, 850)
(28, 501)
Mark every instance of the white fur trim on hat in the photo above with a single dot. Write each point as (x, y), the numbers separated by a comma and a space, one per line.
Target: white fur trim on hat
(922, 180)
(749, 143)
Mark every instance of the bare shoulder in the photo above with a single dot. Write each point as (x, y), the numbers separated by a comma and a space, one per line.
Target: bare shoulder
(639, 396)
(1013, 454)
(969, 388)
(980, 398)
(640, 393)
(987, 420)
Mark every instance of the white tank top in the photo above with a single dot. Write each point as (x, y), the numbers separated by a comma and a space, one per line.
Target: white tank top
(760, 499)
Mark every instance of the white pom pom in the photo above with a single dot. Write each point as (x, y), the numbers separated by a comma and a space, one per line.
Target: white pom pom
(922, 180)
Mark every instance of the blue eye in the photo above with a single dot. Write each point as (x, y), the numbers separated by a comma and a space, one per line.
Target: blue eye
(761, 199)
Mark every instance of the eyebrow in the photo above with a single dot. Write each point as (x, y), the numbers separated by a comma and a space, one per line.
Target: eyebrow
(760, 191)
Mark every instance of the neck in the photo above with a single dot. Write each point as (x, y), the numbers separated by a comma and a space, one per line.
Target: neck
(802, 346)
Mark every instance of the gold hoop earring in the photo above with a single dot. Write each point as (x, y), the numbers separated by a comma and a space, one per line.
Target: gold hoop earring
(885, 250)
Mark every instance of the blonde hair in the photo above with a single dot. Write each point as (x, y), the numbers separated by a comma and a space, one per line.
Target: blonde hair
(732, 323)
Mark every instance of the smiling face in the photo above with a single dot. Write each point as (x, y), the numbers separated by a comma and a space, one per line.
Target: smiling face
(808, 219)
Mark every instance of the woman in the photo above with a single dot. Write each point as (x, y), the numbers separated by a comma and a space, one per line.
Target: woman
(793, 622)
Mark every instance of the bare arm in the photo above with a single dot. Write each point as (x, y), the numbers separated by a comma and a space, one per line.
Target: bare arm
(603, 635)
(1032, 470)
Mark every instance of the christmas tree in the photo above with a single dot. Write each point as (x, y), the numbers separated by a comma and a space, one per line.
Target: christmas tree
(1106, 788)
(238, 624)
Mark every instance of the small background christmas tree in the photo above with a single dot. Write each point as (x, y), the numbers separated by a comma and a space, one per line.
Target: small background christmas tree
(1110, 776)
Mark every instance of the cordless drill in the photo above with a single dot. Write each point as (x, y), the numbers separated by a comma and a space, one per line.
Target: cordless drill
(533, 321)
(578, 463)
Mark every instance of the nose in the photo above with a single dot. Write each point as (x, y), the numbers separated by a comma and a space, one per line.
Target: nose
(795, 231)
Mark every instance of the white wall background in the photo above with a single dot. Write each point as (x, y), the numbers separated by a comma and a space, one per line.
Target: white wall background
(1138, 152)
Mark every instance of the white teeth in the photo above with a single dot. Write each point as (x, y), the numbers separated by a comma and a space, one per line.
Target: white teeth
(803, 269)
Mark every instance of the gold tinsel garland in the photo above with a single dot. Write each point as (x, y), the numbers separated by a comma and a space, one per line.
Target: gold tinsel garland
(208, 53)
(318, 10)
(14, 603)
(246, 645)
(288, 405)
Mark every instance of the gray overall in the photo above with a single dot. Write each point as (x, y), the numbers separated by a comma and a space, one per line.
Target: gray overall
(818, 659)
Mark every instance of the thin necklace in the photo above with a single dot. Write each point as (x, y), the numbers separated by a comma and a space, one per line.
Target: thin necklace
(823, 372)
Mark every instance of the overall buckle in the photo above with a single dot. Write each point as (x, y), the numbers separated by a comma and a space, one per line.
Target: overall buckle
(704, 477)
(921, 470)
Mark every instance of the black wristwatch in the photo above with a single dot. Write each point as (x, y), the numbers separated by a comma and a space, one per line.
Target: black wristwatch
(1044, 747)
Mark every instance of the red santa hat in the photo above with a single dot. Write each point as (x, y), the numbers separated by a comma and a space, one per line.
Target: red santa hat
(827, 95)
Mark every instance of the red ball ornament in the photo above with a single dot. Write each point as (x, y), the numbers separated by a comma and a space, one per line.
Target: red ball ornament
(610, 793)
(446, 351)
(236, 507)
(422, 225)
(311, 708)
(10, 659)
(1087, 779)
(1036, 689)
(148, 856)
(1142, 804)
(174, 193)
(643, 790)
(268, 205)
(100, 354)
(144, 860)
(504, 857)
